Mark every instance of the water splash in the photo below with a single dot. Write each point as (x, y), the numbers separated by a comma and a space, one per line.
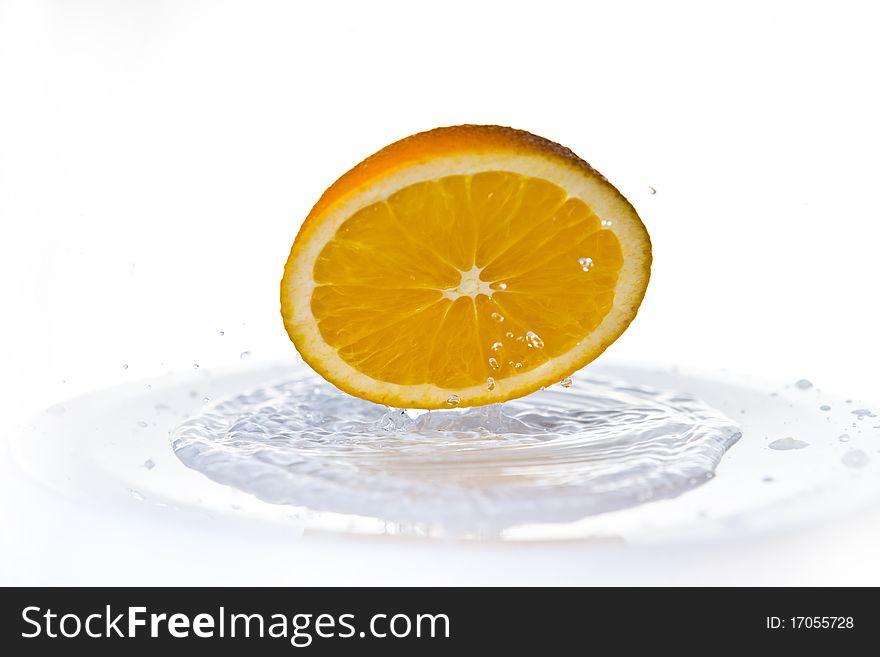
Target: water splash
(855, 458)
(784, 444)
(554, 456)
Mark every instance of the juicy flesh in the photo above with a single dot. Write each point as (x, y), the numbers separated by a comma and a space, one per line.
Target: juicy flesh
(464, 280)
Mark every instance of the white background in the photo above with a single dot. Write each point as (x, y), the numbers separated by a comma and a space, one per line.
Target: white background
(156, 159)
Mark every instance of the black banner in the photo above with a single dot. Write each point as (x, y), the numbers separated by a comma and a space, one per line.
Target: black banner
(432, 621)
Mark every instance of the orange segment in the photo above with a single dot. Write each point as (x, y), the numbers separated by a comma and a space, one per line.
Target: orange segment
(463, 266)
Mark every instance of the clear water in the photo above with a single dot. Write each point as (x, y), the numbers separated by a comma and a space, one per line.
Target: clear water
(554, 456)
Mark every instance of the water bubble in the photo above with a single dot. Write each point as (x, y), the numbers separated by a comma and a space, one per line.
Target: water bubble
(498, 318)
(494, 364)
(534, 340)
(56, 409)
(844, 437)
(206, 399)
(496, 346)
(855, 458)
(142, 424)
(785, 444)
(518, 366)
(453, 400)
(490, 384)
(222, 333)
(651, 190)
(862, 413)
(824, 407)
(803, 384)
(509, 334)
(585, 263)
(565, 383)
(125, 366)
(149, 386)
(195, 366)
(244, 355)
(149, 464)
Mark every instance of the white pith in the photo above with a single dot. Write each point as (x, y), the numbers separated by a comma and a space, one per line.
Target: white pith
(471, 285)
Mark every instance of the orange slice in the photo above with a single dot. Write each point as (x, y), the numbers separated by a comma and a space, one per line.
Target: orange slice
(463, 266)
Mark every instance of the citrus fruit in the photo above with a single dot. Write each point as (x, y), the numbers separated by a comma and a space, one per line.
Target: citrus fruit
(463, 266)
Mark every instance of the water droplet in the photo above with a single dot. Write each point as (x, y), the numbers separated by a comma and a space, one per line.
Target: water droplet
(585, 263)
(149, 464)
(855, 458)
(803, 384)
(496, 346)
(787, 444)
(490, 384)
(824, 407)
(494, 364)
(222, 333)
(565, 383)
(244, 355)
(453, 400)
(534, 340)
(195, 366)
(56, 409)
(149, 386)
(142, 424)
(767, 480)
(651, 190)
(509, 334)
(844, 437)
(206, 399)
(125, 366)
(498, 318)
(136, 495)
(518, 366)
(862, 413)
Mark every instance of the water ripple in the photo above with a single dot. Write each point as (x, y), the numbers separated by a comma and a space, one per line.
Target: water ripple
(554, 456)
